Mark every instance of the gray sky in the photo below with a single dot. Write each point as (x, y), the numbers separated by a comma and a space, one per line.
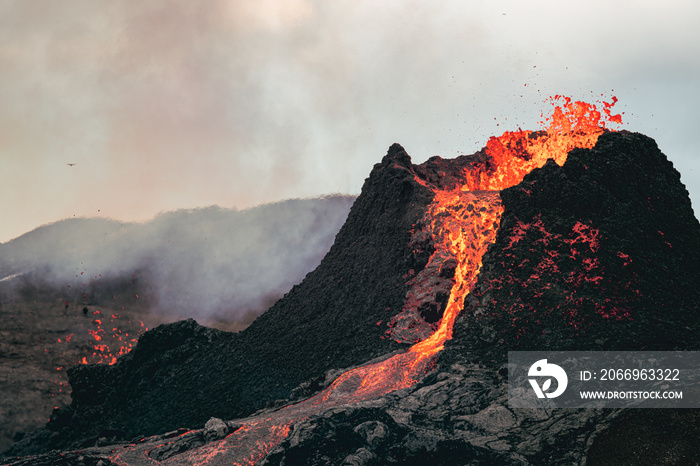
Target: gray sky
(179, 104)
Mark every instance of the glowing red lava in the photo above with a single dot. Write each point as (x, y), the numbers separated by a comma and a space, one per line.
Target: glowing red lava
(108, 342)
(463, 221)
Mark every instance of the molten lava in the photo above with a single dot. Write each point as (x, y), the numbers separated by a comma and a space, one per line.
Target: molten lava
(107, 341)
(514, 154)
(462, 222)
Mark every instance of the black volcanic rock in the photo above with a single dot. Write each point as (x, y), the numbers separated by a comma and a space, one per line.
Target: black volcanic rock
(183, 374)
(369, 436)
(600, 254)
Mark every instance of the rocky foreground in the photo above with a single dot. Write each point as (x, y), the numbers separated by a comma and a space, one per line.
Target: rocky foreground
(604, 249)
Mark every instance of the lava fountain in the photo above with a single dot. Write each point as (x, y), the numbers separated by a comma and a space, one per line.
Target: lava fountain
(462, 221)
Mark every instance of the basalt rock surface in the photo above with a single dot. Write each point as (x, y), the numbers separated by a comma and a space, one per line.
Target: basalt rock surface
(599, 254)
(182, 374)
(602, 253)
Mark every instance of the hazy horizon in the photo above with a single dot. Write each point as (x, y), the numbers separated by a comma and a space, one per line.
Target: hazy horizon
(203, 263)
(176, 211)
(165, 106)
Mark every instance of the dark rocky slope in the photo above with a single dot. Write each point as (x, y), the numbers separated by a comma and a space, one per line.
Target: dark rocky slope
(623, 279)
(182, 374)
(598, 254)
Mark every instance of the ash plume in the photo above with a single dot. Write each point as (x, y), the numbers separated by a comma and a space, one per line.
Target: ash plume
(282, 99)
(203, 263)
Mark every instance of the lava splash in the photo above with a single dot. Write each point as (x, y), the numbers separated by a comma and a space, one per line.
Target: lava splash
(461, 222)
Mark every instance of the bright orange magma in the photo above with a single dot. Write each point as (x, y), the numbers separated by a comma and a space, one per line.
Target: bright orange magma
(517, 153)
(513, 155)
(463, 222)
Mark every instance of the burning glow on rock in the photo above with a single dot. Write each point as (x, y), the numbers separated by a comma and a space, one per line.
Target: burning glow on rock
(106, 349)
(514, 154)
(465, 224)
(106, 341)
(462, 222)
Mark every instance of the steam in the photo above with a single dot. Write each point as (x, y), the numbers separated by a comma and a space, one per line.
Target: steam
(202, 263)
(180, 104)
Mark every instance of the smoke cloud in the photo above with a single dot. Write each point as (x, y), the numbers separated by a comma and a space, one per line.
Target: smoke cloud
(181, 104)
(203, 263)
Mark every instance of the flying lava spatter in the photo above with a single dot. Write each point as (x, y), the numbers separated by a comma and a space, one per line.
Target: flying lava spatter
(463, 221)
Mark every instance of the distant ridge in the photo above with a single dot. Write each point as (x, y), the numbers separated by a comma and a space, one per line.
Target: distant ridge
(205, 262)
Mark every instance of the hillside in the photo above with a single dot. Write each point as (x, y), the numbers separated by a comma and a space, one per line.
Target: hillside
(64, 286)
(598, 251)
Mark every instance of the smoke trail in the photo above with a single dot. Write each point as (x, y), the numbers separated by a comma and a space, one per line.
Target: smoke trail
(203, 263)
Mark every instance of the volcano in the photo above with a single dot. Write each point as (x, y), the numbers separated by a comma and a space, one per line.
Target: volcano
(392, 350)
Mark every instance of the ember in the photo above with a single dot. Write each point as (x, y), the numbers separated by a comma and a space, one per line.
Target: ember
(107, 345)
(102, 344)
(462, 221)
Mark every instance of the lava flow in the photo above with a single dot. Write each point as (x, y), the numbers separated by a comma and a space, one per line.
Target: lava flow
(462, 221)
